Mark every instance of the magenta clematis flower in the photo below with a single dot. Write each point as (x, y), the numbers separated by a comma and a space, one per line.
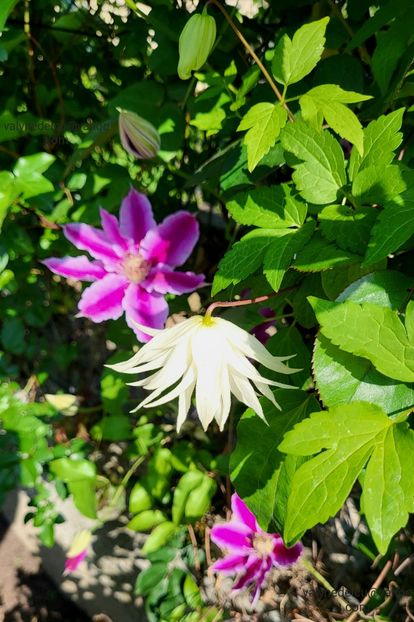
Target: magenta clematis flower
(251, 552)
(133, 265)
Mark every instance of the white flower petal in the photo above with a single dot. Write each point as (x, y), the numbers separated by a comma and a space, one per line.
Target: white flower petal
(223, 414)
(184, 404)
(205, 348)
(264, 390)
(251, 347)
(186, 381)
(139, 369)
(244, 392)
(173, 369)
(243, 367)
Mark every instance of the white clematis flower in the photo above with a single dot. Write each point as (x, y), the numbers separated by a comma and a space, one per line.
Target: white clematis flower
(211, 356)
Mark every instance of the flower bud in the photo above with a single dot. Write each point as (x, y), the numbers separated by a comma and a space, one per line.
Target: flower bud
(138, 136)
(196, 40)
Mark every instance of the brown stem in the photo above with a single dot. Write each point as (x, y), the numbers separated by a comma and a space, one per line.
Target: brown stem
(247, 301)
(197, 565)
(253, 55)
(377, 583)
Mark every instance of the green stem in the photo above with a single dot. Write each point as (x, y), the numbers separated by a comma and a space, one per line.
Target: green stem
(320, 579)
(126, 479)
(188, 92)
(131, 4)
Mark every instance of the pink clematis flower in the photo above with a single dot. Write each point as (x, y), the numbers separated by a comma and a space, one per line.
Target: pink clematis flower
(133, 265)
(78, 551)
(251, 552)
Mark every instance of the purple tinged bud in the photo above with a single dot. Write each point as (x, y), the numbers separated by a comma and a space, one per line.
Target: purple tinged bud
(196, 41)
(138, 136)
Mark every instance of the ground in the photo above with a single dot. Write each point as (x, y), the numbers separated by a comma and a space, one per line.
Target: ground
(26, 593)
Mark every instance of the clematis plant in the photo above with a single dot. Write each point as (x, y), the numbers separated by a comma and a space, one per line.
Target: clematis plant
(78, 551)
(211, 356)
(133, 264)
(251, 553)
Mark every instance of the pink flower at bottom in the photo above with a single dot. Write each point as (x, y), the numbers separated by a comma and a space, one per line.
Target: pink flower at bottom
(251, 552)
(78, 551)
(133, 265)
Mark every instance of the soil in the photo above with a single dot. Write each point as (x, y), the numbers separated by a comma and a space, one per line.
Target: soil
(26, 593)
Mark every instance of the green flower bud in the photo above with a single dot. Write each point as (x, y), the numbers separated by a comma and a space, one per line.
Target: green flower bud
(138, 136)
(196, 41)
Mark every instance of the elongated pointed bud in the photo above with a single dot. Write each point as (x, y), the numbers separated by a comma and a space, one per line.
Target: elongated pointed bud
(138, 136)
(195, 44)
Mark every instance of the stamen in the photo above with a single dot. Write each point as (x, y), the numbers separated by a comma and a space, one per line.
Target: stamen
(135, 268)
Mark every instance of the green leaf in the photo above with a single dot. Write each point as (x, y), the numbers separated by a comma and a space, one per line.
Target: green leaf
(139, 499)
(295, 58)
(114, 392)
(394, 226)
(188, 482)
(388, 490)
(335, 281)
(150, 577)
(112, 428)
(376, 184)
(370, 331)
(13, 335)
(285, 342)
(263, 122)
(321, 174)
(272, 247)
(257, 468)
(146, 520)
(328, 101)
(319, 254)
(341, 378)
(409, 320)
(199, 499)
(36, 163)
(191, 593)
(160, 536)
(84, 496)
(280, 253)
(321, 485)
(390, 47)
(303, 313)
(348, 228)
(5, 10)
(244, 258)
(381, 138)
(69, 470)
(8, 192)
(387, 288)
(268, 207)
(30, 181)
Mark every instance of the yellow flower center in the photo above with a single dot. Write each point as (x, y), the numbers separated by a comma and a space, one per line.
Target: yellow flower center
(135, 268)
(263, 545)
(208, 321)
